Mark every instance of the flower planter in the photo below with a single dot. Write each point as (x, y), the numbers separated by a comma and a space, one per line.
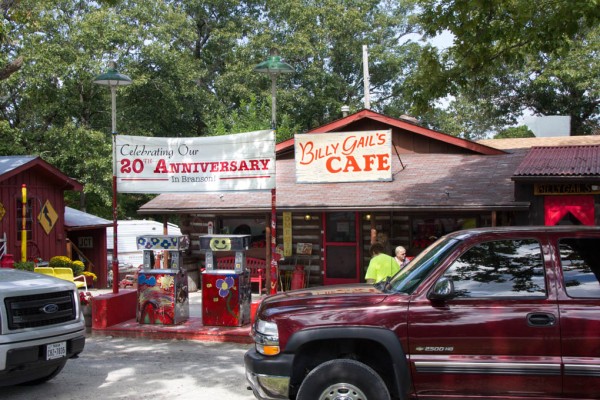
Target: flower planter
(87, 313)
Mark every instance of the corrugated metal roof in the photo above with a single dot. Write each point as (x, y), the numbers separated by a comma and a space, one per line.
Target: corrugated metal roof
(8, 163)
(568, 161)
(76, 219)
(13, 165)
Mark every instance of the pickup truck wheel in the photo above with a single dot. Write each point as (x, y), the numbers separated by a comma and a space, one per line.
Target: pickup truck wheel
(343, 379)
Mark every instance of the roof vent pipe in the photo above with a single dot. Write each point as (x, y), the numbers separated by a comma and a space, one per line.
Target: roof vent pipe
(366, 77)
(345, 111)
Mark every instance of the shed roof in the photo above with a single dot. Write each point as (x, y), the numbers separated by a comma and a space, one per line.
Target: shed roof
(77, 220)
(428, 182)
(561, 161)
(14, 165)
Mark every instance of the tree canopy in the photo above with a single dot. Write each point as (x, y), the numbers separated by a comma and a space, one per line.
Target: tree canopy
(192, 65)
(514, 55)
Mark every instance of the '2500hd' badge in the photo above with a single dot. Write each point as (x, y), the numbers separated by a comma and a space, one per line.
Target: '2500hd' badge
(436, 349)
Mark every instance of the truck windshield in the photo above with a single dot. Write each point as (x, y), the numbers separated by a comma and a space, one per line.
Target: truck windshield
(409, 278)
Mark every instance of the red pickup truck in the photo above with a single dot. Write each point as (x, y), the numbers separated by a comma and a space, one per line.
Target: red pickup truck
(504, 313)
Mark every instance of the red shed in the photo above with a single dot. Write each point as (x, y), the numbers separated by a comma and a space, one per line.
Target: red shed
(45, 210)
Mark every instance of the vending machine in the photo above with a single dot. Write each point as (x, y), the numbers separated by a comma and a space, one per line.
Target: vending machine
(226, 293)
(162, 292)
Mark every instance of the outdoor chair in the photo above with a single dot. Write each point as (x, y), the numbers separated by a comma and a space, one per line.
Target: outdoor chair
(44, 270)
(67, 275)
(256, 266)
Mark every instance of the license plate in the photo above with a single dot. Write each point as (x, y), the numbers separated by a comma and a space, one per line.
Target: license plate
(56, 350)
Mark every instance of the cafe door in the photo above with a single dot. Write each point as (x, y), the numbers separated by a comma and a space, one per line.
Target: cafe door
(341, 255)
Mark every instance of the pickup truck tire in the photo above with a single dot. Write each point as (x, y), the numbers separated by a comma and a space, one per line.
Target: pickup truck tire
(343, 378)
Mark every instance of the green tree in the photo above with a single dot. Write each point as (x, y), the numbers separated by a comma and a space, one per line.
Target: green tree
(514, 55)
(514, 132)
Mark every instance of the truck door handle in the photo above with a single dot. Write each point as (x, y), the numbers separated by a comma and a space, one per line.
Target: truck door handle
(541, 319)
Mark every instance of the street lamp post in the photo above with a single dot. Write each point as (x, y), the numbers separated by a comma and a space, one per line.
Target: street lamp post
(112, 79)
(273, 66)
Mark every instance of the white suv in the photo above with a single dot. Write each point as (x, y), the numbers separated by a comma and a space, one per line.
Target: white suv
(41, 326)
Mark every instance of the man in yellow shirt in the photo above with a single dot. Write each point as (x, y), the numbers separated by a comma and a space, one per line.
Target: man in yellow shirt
(381, 265)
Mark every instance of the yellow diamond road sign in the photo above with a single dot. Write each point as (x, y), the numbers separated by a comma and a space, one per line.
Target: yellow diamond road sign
(47, 217)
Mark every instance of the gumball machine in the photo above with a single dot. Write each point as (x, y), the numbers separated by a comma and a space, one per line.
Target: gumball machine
(226, 293)
(162, 292)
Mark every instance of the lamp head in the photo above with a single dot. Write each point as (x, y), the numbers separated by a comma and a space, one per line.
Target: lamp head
(274, 65)
(112, 78)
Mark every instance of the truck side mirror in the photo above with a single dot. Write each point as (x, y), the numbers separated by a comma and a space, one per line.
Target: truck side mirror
(443, 289)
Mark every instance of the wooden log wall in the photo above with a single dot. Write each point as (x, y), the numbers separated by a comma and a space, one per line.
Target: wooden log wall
(304, 231)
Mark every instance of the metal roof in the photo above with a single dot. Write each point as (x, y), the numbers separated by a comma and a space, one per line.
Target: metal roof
(8, 163)
(13, 165)
(561, 161)
(75, 219)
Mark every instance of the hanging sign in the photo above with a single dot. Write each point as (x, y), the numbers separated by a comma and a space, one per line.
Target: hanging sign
(243, 161)
(344, 157)
(287, 234)
(544, 189)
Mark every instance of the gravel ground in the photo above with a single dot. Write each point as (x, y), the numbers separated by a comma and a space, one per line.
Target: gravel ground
(123, 368)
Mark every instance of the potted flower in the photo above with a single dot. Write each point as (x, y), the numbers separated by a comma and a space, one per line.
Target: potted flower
(85, 299)
(90, 278)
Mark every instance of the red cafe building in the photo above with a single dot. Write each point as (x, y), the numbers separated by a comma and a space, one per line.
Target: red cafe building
(440, 183)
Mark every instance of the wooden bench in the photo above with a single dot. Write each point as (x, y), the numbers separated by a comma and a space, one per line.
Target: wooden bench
(63, 273)
(256, 266)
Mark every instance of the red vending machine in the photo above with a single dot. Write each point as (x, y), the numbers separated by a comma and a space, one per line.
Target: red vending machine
(162, 293)
(226, 293)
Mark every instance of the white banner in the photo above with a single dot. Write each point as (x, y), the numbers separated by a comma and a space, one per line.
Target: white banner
(343, 157)
(243, 161)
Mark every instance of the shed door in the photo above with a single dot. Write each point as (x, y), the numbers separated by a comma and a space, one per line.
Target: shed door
(341, 263)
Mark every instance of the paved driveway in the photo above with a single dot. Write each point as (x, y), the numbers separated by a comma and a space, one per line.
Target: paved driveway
(122, 368)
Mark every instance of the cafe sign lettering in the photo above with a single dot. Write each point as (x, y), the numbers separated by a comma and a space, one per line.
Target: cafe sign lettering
(343, 157)
(543, 189)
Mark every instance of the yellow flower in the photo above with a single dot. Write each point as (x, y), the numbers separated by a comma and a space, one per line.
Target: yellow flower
(88, 273)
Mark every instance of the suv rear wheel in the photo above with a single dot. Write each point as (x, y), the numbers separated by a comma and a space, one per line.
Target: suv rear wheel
(343, 379)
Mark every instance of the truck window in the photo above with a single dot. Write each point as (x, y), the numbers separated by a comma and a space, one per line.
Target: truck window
(580, 261)
(499, 269)
(409, 278)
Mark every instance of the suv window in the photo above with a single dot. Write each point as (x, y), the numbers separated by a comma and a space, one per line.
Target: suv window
(500, 269)
(580, 260)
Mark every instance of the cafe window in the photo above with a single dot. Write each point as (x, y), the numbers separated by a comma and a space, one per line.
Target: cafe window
(427, 230)
(341, 227)
(28, 218)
